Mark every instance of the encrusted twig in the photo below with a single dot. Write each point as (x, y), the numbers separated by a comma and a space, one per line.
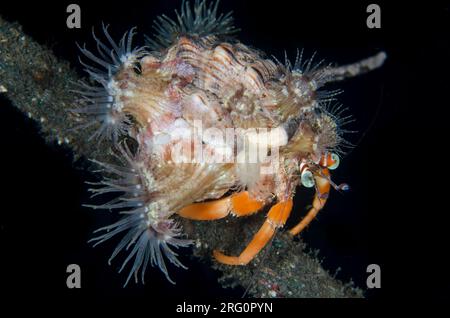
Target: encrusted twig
(39, 85)
(343, 72)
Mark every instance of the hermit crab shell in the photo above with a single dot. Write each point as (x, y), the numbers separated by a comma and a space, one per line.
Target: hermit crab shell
(198, 106)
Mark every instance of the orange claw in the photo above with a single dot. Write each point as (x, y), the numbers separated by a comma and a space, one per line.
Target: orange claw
(211, 210)
(276, 217)
(244, 205)
(323, 189)
(240, 204)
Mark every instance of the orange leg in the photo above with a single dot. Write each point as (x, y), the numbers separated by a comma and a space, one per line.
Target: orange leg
(239, 204)
(276, 217)
(323, 189)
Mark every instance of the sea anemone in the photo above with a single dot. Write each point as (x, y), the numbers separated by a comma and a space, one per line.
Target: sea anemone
(149, 233)
(101, 102)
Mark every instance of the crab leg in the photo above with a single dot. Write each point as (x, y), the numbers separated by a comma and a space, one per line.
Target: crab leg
(276, 218)
(239, 204)
(322, 191)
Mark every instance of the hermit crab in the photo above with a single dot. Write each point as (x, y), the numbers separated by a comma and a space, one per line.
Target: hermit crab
(204, 127)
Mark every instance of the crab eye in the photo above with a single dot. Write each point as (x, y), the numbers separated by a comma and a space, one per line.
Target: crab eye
(307, 179)
(335, 161)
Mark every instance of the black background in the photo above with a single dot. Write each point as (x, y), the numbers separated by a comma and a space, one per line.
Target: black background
(394, 215)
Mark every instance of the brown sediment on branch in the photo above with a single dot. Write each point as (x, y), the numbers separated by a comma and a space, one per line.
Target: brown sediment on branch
(284, 269)
(39, 85)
